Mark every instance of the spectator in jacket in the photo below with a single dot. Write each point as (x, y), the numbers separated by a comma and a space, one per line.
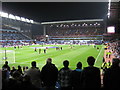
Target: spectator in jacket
(91, 75)
(64, 76)
(6, 66)
(34, 73)
(49, 74)
(76, 77)
(111, 77)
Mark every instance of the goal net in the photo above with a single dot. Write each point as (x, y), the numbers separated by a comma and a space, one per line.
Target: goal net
(7, 55)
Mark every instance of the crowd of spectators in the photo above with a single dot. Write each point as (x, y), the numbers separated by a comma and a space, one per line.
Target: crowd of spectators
(12, 35)
(85, 33)
(115, 47)
(49, 77)
(75, 31)
(9, 43)
(9, 33)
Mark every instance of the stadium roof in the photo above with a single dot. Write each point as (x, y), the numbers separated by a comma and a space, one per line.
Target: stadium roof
(11, 16)
(56, 11)
(72, 21)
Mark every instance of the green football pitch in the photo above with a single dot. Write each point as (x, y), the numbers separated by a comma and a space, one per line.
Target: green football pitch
(25, 55)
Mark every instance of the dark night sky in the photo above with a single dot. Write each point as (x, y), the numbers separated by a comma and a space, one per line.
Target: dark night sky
(57, 11)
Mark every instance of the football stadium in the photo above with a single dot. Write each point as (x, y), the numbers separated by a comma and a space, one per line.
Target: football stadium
(61, 54)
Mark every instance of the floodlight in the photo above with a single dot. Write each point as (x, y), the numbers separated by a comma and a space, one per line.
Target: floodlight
(23, 19)
(3, 14)
(109, 4)
(61, 25)
(11, 16)
(108, 14)
(46, 35)
(98, 23)
(82, 24)
(31, 21)
(67, 25)
(51, 25)
(17, 18)
(28, 20)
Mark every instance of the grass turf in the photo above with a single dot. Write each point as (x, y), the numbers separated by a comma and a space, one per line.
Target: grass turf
(25, 55)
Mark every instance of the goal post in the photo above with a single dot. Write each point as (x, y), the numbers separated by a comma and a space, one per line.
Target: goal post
(7, 55)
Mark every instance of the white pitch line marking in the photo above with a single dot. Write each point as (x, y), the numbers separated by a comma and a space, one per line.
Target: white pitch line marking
(98, 55)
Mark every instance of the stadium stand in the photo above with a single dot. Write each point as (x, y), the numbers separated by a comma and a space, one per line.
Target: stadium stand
(76, 30)
(15, 32)
(11, 36)
(66, 31)
(9, 33)
(93, 31)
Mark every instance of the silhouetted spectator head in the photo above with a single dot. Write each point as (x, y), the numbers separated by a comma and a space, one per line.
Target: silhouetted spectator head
(6, 62)
(79, 65)
(115, 62)
(13, 67)
(19, 67)
(49, 60)
(26, 67)
(66, 63)
(6, 66)
(91, 60)
(33, 64)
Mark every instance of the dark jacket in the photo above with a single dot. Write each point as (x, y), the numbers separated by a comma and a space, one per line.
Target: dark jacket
(6, 67)
(111, 78)
(76, 79)
(49, 74)
(64, 77)
(91, 77)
